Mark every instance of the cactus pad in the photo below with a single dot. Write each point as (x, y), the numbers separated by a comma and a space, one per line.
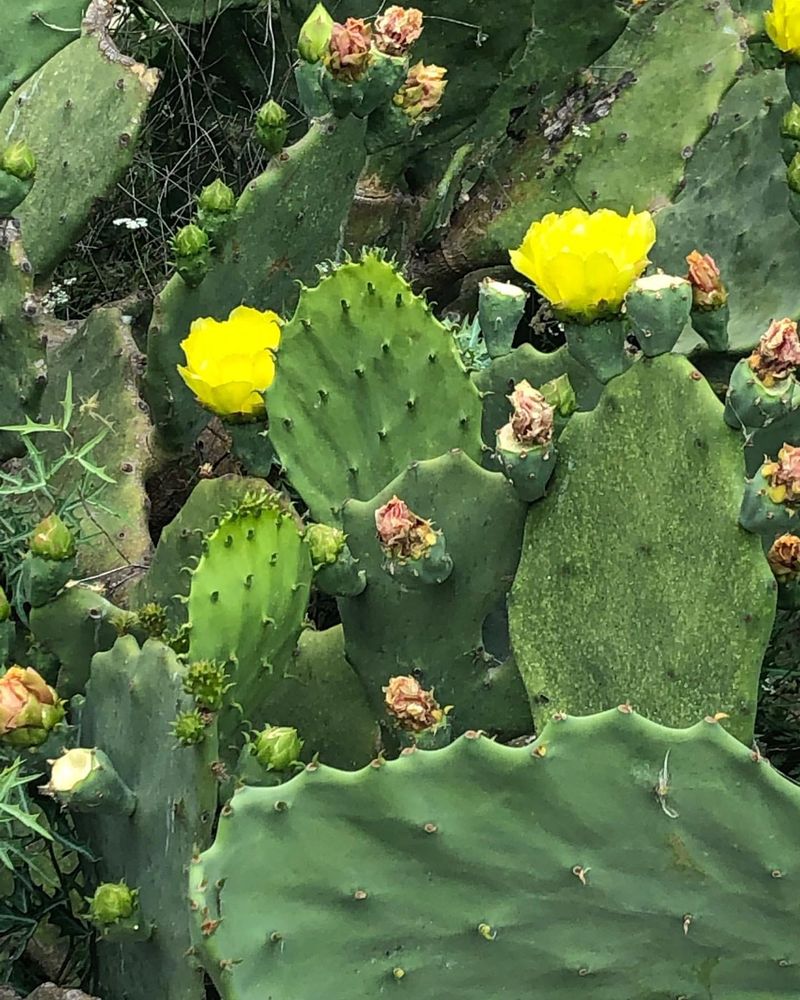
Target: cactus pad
(636, 583)
(367, 373)
(614, 858)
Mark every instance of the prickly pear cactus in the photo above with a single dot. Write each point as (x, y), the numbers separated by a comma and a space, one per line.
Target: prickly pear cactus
(546, 871)
(636, 582)
(366, 371)
(435, 632)
(131, 701)
(35, 31)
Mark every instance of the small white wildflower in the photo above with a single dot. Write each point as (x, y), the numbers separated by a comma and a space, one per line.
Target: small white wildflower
(137, 223)
(581, 130)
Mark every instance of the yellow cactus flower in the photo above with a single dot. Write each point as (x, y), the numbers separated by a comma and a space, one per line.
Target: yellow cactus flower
(230, 364)
(783, 25)
(583, 262)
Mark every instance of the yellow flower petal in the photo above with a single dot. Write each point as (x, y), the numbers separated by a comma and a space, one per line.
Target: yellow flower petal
(584, 263)
(263, 327)
(782, 24)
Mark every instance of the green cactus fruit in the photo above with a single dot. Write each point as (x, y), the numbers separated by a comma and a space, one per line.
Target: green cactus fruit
(277, 748)
(793, 174)
(607, 838)
(5, 607)
(192, 251)
(790, 133)
(658, 308)
(215, 203)
(500, 308)
(712, 325)
(599, 346)
(86, 781)
(207, 682)
(315, 35)
(52, 539)
(112, 902)
(324, 544)
(272, 127)
(18, 160)
(751, 403)
(189, 728)
(375, 88)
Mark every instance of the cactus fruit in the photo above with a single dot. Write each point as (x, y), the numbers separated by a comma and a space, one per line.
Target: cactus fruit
(500, 309)
(86, 781)
(651, 584)
(355, 345)
(601, 827)
(658, 308)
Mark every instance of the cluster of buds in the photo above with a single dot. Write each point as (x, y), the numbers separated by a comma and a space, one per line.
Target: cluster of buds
(422, 91)
(29, 707)
(777, 354)
(397, 29)
(708, 292)
(403, 534)
(783, 476)
(784, 558)
(414, 708)
(531, 422)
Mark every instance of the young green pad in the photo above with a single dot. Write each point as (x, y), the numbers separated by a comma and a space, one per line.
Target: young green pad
(367, 374)
(613, 859)
(636, 582)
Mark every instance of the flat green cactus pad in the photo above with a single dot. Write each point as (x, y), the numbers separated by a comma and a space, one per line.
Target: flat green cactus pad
(436, 632)
(368, 374)
(613, 859)
(636, 582)
(132, 697)
(33, 31)
(94, 100)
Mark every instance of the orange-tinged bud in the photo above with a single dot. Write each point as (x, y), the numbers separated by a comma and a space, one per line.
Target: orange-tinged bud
(29, 707)
(350, 49)
(784, 557)
(412, 706)
(708, 292)
(397, 29)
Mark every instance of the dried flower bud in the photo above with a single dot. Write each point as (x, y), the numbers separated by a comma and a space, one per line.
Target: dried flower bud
(412, 706)
(778, 352)
(708, 291)
(422, 91)
(402, 533)
(397, 29)
(350, 50)
(783, 476)
(784, 557)
(531, 422)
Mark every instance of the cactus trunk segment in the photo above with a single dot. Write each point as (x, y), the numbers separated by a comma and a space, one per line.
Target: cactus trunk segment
(366, 371)
(94, 99)
(247, 600)
(638, 536)
(105, 365)
(131, 701)
(614, 858)
(277, 234)
(23, 371)
(436, 632)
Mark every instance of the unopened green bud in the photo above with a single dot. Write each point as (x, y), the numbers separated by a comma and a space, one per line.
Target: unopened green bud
(277, 747)
(272, 127)
(790, 126)
(207, 682)
(324, 543)
(192, 254)
(18, 160)
(190, 241)
(558, 392)
(152, 618)
(216, 197)
(5, 606)
(189, 728)
(112, 902)
(52, 539)
(315, 35)
(793, 173)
